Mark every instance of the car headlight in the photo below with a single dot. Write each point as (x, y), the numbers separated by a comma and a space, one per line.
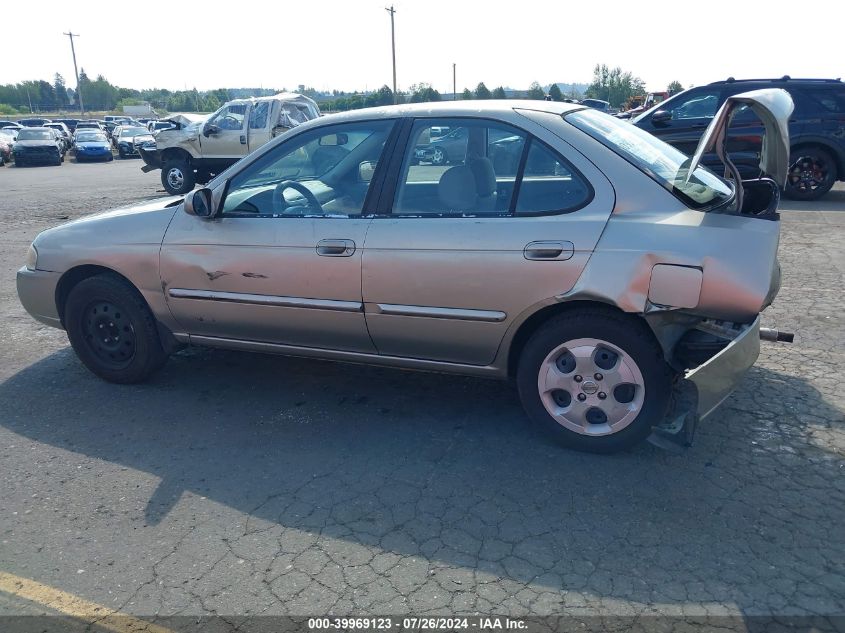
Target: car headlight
(31, 258)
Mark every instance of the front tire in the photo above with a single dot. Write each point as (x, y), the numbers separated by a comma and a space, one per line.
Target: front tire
(595, 380)
(177, 177)
(812, 172)
(112, 330)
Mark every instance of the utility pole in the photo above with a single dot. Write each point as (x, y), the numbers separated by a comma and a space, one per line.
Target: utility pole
(454, 84)
(76, 72)
(392, 11)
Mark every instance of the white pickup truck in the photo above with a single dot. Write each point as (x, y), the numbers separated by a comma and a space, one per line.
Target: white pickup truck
(198, 147)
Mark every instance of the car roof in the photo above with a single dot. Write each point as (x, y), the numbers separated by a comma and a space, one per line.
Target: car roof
(480, 109)
(779, 80)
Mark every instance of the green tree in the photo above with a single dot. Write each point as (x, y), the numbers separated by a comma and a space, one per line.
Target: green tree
(555, 93)
(481, 91)
(499, 93)
(535, 91)
(674, 88)
(467, 94)
(614, 86)
(421, 93)
(60, 90)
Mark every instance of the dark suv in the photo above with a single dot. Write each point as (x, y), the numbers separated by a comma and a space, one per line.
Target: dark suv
(816, 129)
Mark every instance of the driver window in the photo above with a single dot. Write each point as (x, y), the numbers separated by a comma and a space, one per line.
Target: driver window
(230, 118)
(702, 105)
(323, 172)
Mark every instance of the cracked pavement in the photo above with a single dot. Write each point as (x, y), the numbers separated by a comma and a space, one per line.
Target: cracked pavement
(236, 484)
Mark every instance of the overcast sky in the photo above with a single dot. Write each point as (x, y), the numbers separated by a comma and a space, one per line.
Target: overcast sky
(345, 44)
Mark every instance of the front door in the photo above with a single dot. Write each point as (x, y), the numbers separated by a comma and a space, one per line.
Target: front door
(224, 135)
(282, 262)
(466, 247)
(688, 118)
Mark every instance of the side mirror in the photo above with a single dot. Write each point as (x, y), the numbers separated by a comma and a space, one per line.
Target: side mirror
(200, 203)
(210, 129)
(366, 171)
(661, 116)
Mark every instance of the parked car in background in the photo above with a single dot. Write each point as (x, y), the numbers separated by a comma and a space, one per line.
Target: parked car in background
(63, 130)
(816, 129)
(9, 137)
(10, 131)
(89, 124)
(89, 145)
(14, 124)
(5, 149)
(128, 140)
(34, 122)
(448, 147)
(71, 123)
(596, 104)
(604, 273)
(39, 145)
(196, 149)
(155, 126)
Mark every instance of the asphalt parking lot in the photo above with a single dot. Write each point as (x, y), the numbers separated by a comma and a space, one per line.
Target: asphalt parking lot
(237, 484)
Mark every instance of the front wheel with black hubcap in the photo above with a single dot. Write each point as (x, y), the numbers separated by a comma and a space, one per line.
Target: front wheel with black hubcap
(812, 172)
(595, 380)
(112, 330)
(177, 177)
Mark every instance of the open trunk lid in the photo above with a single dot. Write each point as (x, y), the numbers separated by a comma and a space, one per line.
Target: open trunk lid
(774, 107)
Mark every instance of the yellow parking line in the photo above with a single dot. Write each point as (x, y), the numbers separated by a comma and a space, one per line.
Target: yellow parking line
(76, 607)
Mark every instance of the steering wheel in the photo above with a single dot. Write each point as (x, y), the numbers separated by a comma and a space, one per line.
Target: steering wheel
(280, 205)
(230, 123)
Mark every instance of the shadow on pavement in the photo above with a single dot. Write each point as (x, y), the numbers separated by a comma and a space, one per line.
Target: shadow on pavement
(448, 468)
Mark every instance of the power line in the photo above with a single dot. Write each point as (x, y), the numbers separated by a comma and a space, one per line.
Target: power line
(392, 11)
(76, 72)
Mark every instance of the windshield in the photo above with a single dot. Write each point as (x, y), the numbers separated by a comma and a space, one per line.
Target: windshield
(90, 138)
(134, 131)
(35, 135)
(660, 161)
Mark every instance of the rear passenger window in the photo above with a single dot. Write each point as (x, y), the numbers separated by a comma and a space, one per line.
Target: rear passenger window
(549, 183)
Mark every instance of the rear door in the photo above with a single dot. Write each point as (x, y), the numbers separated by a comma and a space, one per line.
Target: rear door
(258, 126)
(458, 252)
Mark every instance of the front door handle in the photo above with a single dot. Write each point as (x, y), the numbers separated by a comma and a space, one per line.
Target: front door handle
(549, 251)
(335, 248)
(243, 139)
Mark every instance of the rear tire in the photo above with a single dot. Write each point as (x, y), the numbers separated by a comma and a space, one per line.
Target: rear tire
(112, 330)
(812, 172)
(571, 386)
(177, 177)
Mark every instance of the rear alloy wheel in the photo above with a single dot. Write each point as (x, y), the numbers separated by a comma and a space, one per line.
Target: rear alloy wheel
(112, 330)
(177, 177)
(596, 381)
(812, 172)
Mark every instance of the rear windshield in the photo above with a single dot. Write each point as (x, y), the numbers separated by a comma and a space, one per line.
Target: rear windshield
(657, 159)
(34, 135)
(90, 138)
(134, 131)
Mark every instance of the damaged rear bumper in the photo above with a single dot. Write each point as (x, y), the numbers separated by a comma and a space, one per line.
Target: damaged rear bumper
(700, 392)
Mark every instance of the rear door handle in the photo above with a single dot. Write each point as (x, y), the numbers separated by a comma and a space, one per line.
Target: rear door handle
(549, 251)
(335, 248)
